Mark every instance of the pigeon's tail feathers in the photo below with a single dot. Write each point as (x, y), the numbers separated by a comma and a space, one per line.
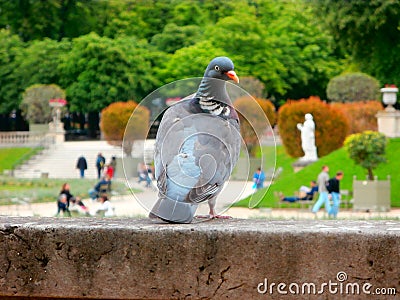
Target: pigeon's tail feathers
(172, 211)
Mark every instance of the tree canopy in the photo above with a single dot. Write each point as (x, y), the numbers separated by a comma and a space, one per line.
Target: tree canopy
(100, 52)
(368, 32)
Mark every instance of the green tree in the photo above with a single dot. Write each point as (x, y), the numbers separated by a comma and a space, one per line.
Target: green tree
(189, 61)
(281, 45)
(39, 62)
(367, 149)
(351, 87)
(35, 104)
(368, 31)
(99, 70)
(53, 19)
(10, 48)
(175, 37)
(250, 48)
(306, 49)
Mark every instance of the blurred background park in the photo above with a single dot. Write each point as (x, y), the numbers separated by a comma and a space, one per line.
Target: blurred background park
(73, 72)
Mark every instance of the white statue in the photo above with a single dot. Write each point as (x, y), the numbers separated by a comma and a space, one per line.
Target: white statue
(308, 139)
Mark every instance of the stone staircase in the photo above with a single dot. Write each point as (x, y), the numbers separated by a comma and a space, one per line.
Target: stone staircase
(59, 161)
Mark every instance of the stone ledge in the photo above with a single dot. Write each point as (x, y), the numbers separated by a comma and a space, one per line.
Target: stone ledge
(137, 259)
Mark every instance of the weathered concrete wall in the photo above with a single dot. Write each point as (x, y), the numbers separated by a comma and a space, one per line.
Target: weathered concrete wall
(220, 259)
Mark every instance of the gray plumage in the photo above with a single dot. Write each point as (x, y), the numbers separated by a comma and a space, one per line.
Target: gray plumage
(197, 146)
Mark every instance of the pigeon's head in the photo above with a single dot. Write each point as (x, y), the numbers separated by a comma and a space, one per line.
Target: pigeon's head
(221, 68)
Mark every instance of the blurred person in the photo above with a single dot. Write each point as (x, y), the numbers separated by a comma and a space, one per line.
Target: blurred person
(101, 187)
(323, 199)
(65, 189)
(334, 190)
(82, 166)
(308, 195)
(258, 179)
(144, 173)
(79, 206)
(62, 205)
(105, 207)
(100, 162)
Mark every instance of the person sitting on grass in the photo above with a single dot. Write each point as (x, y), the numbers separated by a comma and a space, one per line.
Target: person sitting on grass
(78, 205)
(106, 209)
(103, 186)
(308, 195)
(62, 205)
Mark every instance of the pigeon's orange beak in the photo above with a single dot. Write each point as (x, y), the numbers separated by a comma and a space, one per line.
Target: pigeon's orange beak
(232, 75)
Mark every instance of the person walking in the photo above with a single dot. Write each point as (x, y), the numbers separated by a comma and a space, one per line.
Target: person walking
(82, 166)
(100, 162)
(323, 198)
(334, 189)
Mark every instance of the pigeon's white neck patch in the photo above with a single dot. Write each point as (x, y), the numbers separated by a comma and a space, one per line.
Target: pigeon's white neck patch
(214, 107)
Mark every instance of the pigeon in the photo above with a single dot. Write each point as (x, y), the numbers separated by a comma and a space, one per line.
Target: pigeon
(197, 146)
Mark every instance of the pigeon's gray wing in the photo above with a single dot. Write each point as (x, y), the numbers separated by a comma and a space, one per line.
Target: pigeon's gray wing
(194, 155)
(216, 152)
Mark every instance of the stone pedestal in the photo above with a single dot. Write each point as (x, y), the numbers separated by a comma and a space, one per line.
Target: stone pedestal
(57, 131)
(301, 163)
(389, 122)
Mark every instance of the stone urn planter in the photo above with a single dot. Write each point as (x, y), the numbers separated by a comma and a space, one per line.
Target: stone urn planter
(371, 195)
(389, 97)
(368, 149)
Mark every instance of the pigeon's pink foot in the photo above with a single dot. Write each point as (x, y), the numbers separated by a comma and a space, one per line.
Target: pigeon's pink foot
(204, 216)
(221, 217)
(213, 217)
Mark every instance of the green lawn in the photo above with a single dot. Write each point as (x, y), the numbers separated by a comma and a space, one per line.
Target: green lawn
(10, 156)
(47, 190)
(39, 190)
(289, 181)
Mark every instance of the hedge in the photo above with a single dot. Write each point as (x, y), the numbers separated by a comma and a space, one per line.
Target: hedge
(361, 115)
(331, 126)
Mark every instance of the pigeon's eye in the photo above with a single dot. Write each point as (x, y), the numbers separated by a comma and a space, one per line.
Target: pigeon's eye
(216, 68)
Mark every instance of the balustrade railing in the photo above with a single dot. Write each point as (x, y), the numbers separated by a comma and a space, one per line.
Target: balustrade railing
(25, 139)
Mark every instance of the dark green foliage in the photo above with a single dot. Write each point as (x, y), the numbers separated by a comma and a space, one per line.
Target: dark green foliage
(368, 31)
(105, 51)
(10, 48)
(136, 46)
(99, 70)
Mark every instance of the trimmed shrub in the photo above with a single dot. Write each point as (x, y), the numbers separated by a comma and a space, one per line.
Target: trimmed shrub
(35, 102)
(253, 86)
(361, 115)
(252, 114)
(367, 149)
(352, 87)
(331, 126)
(114, 121)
